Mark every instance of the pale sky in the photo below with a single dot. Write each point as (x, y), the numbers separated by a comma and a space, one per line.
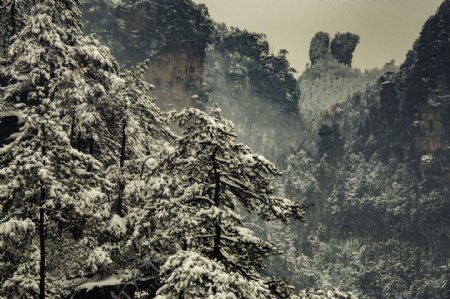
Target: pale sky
(387, 28)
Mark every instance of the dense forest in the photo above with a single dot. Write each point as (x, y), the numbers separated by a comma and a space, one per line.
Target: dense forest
(134, 162)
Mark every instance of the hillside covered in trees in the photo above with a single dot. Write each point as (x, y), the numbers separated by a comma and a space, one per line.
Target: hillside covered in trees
(379, 179)
(130, 161)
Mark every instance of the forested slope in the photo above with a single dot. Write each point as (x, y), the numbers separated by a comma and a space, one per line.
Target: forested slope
(379, 182)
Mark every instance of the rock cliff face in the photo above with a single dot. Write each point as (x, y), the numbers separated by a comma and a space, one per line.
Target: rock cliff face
(172, 35)
(415, 103)
(408, 112)
(178, 77)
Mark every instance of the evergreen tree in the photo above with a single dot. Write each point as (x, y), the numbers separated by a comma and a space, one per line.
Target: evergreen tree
(141, 127)
(207, 180)
(50, 55)
(14, 14)
(12, 19)
(89, 83)
(142, 133)
(48, 189)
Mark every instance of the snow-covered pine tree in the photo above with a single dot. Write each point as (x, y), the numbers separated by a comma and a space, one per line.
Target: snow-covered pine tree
(47, 190)
(88, 80)
(143, 134)
(141, 128)
(201, 189)
(84, 90)
(46, 185)
(12, 14)
(80, 72)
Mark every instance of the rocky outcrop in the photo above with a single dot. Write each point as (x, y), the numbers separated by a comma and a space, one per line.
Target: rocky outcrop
(178, 77)
(319, 48)
(172, 35)
(418, 105)
(341, 48)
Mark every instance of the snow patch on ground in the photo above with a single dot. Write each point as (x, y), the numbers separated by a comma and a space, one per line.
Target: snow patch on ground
(89, 286)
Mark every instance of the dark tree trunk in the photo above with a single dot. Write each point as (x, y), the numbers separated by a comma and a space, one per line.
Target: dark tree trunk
(91, 145)
(42, 235)
(218, 231)
(13, 18)
(42, 238)
(123, 144)
(72, 129)
(118, 206)
(79, 142)
(90, 151)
